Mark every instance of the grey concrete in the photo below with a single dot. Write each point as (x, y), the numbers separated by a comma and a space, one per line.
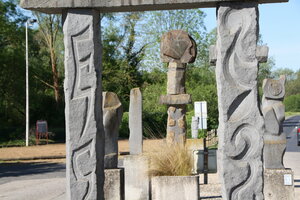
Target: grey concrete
(114, 184)
(137, 182)
(175, 188)
(273, 111)
(135, 122)
(112, 117)
(56, 6)
(83, 97)
(275, 186)
(240, 121)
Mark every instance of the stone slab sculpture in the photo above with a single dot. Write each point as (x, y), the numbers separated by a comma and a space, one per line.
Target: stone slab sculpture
(241, 125)
(177, 49)
(274, 115)
(84, 125)
(114, 184)
(135, 122)
(112, 117)
(83, 96)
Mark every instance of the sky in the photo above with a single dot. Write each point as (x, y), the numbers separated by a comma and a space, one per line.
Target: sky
(280, 30)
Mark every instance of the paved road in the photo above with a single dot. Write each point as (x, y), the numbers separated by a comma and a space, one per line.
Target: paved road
(47, 180)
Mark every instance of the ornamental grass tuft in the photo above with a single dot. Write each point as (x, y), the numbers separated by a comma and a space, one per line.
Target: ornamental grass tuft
(172, 160)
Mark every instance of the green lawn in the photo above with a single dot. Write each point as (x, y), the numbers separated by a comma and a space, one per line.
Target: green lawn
(289, 114)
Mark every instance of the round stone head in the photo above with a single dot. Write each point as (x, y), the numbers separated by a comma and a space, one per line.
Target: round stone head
(178, 46)
(274, 89)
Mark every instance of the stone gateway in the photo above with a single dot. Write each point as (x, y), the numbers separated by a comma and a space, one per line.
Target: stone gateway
(241, 123)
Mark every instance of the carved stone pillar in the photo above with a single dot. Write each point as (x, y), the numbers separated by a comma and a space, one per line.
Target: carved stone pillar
(273, 111)
(83, 97)
(240, 119)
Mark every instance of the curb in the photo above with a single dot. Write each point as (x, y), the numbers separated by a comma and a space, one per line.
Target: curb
(33, 158)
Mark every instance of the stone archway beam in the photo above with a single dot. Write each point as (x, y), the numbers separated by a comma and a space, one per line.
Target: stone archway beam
(56, 6)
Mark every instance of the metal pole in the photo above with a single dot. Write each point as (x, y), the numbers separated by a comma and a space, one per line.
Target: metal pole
(27, 89)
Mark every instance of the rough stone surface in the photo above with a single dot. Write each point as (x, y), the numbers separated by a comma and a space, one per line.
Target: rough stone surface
(240, 121)
(175, 188)
(176, 78)
(262, 53)
(176, 133)
(56, 6)
(194, 127)
(177, 46)
(114, 184)
(135, 122)
(83, 96)
(274, 188)
(273, 111)
(137, 186)
(179, 99)
(112, 117)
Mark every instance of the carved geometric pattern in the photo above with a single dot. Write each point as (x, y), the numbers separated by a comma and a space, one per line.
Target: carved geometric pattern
(83, 104)
(240, 121)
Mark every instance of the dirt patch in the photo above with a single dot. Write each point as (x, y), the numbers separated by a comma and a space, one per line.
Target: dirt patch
(57, 152)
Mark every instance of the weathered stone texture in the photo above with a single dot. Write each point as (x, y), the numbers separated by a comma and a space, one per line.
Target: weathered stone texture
(114, 184)
(83, 96)
(56, 6)
(176, 78)
(179, 99)
(135, 122)
(274, 188)
(178, 47)
(112, 117)
(240, 121)
(137, 182)
(176, 129)
(273, 111)
(175, 188)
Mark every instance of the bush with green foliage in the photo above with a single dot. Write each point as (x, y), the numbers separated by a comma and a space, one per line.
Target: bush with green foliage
(292, 103)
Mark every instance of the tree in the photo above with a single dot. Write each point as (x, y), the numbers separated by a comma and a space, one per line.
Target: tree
(50, 36)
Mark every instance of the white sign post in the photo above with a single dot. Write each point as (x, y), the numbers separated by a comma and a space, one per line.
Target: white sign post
(201, 112)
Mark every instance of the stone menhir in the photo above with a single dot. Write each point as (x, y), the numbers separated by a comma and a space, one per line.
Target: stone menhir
(135, 122)
(241, 125)
(84, 125)
(112, 117)
(273, 111)
(177, 49)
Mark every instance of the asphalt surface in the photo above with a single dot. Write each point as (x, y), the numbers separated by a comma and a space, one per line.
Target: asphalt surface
(47, 180)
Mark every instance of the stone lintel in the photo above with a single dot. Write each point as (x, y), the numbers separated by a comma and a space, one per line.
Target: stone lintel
(56, 6)
(178, 99)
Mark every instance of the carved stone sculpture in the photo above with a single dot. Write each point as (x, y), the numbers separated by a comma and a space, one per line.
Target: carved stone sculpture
(84, 126)
(112, 117)
(240, 121)
(178, 49)
(273, 111)
(135, 122)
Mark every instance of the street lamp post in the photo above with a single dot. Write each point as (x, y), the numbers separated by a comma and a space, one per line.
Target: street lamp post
(28, 23)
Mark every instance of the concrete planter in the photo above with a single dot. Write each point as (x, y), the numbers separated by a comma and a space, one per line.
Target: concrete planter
(175, 188)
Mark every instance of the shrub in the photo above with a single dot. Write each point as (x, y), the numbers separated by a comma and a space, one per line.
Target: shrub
(292, 103)
(174, 160)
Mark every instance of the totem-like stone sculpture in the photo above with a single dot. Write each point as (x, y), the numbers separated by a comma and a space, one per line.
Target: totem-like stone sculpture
(240, 121)
(135, 122)
(177, 49)
(112, 117)
(273, 111)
